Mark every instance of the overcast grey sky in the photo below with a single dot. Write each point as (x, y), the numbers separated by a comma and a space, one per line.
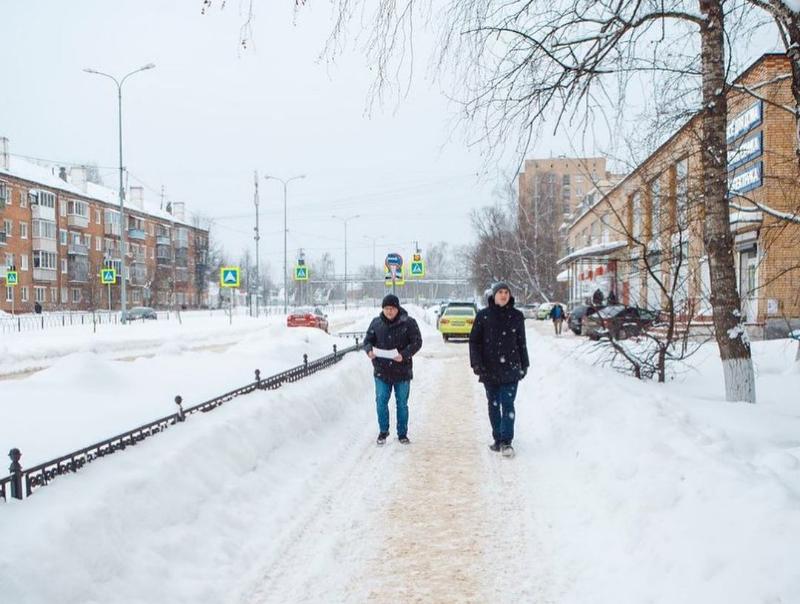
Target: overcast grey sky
(210, 114)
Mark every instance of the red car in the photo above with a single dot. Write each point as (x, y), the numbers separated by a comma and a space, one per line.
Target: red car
(308, 317)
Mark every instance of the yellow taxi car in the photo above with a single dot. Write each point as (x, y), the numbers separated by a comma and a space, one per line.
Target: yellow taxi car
(456, 321)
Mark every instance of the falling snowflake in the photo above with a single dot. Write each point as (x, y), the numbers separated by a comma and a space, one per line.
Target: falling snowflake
(511, 415)
(502, 359)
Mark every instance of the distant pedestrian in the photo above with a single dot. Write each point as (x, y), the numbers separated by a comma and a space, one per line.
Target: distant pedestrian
(392, 339)
(557, 315)
(498, 354)
(37, 308)
(612, 298)
(597, 297)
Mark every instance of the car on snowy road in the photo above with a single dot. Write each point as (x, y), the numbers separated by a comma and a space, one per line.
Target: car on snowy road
(457, 320)
(619, 322)
(139, 313)
(308, 317)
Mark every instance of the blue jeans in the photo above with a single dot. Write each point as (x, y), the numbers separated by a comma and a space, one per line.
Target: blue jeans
(383, 390)
(501, 410)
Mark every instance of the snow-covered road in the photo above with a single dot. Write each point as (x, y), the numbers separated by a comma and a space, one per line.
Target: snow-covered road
(621, 492)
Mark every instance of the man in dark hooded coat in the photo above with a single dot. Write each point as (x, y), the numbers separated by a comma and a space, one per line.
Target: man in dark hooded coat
(498, 353)
(392, 330)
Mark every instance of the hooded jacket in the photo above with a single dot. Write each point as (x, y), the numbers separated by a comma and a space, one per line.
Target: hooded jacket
(498, 351)
(402, 334)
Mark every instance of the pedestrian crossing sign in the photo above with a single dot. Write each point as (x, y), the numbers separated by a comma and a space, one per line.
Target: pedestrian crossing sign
(301, 273)
(229, 276)
(108, 276)
(12, 278)
(417, 268)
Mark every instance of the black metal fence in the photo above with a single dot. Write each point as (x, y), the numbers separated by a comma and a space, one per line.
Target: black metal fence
(21, 483)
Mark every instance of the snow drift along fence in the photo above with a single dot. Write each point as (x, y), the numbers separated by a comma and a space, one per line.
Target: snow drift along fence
(22, 482)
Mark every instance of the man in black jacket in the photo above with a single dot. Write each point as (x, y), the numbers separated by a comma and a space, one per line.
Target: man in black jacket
(392, 339)
(498, 354)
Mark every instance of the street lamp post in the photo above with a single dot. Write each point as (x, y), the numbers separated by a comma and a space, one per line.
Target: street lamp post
(123, 238)
(345, 219)
(285, 273)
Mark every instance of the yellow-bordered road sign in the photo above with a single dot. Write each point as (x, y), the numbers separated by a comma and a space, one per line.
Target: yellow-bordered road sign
(229, 276)
(417, 269)
(108, 276)
(398, 280)
(300, 273)
(12, 278)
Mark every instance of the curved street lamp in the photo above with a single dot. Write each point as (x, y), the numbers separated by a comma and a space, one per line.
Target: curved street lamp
(285, 283)
(123, 239)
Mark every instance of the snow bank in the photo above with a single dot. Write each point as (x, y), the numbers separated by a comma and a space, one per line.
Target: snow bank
(178, 517)
(666, 494)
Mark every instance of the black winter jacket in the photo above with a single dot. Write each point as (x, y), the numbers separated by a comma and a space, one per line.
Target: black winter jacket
(498, 351)
(401, 334)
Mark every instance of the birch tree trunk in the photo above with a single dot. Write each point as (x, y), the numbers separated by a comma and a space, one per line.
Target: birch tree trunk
(734, 348)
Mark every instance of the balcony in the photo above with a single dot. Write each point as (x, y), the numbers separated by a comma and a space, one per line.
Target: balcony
(161, 260)
(182, 243)
(40, 212)
(163, 240)
(77, 249)
(76, 220)
(78, 270)
(44, 244)
(45, 274)
(181, 275)
(111, 229)
(137, 234)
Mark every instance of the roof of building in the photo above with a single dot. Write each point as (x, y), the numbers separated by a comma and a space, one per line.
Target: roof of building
(48, 177)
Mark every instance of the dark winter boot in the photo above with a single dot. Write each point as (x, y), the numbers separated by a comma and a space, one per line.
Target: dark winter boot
(495, 446)
(382, 438)
(507, 451)
(404, 440)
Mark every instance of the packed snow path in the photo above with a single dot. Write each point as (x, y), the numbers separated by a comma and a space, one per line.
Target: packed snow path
(440, 520)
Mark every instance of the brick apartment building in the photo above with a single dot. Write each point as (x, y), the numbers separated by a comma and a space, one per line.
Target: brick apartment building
(58, 230)
(649, 227)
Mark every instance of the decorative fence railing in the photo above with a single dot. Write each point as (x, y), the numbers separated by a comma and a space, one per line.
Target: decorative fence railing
(21, 483)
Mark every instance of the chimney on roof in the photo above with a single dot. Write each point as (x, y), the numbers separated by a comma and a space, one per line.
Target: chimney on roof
(179, 210)
(62, 173)
(136, 198)
(5, 160)
(77, 176)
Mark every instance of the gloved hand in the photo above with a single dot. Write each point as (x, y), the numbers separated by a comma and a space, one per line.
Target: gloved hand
(477, 369)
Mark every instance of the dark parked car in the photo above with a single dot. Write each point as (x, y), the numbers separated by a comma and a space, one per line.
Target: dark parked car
(139, 313)
(618, 321)
(576, 316)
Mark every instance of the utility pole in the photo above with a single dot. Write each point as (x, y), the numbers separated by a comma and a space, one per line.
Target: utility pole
(257, 237)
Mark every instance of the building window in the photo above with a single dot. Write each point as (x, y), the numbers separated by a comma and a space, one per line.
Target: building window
(682, 192)
(98, 244)
(87, 240)
(42, 259)
(5, 194)
(76, 295)
(655, 208)
(64, 295)
(97, 218)
(9, 260)
(42, 198)
(63, 236)
(9, 294)
(23, 199)
(8, 227)
(23, 230)
(39, 293)
(44, 229)
(23, 293)
(636, 213)
(54, 295)
(62, 206)
(23, 262)
(64, 269)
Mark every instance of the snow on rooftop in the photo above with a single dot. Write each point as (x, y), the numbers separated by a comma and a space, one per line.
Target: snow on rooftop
(593, 250)
(48, 177)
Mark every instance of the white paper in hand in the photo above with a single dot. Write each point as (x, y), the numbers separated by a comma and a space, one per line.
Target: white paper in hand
(385, 354)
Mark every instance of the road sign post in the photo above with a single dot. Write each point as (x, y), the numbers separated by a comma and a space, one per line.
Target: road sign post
(12, 280)
(229, 277)
(394, 264)
(108, 277)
